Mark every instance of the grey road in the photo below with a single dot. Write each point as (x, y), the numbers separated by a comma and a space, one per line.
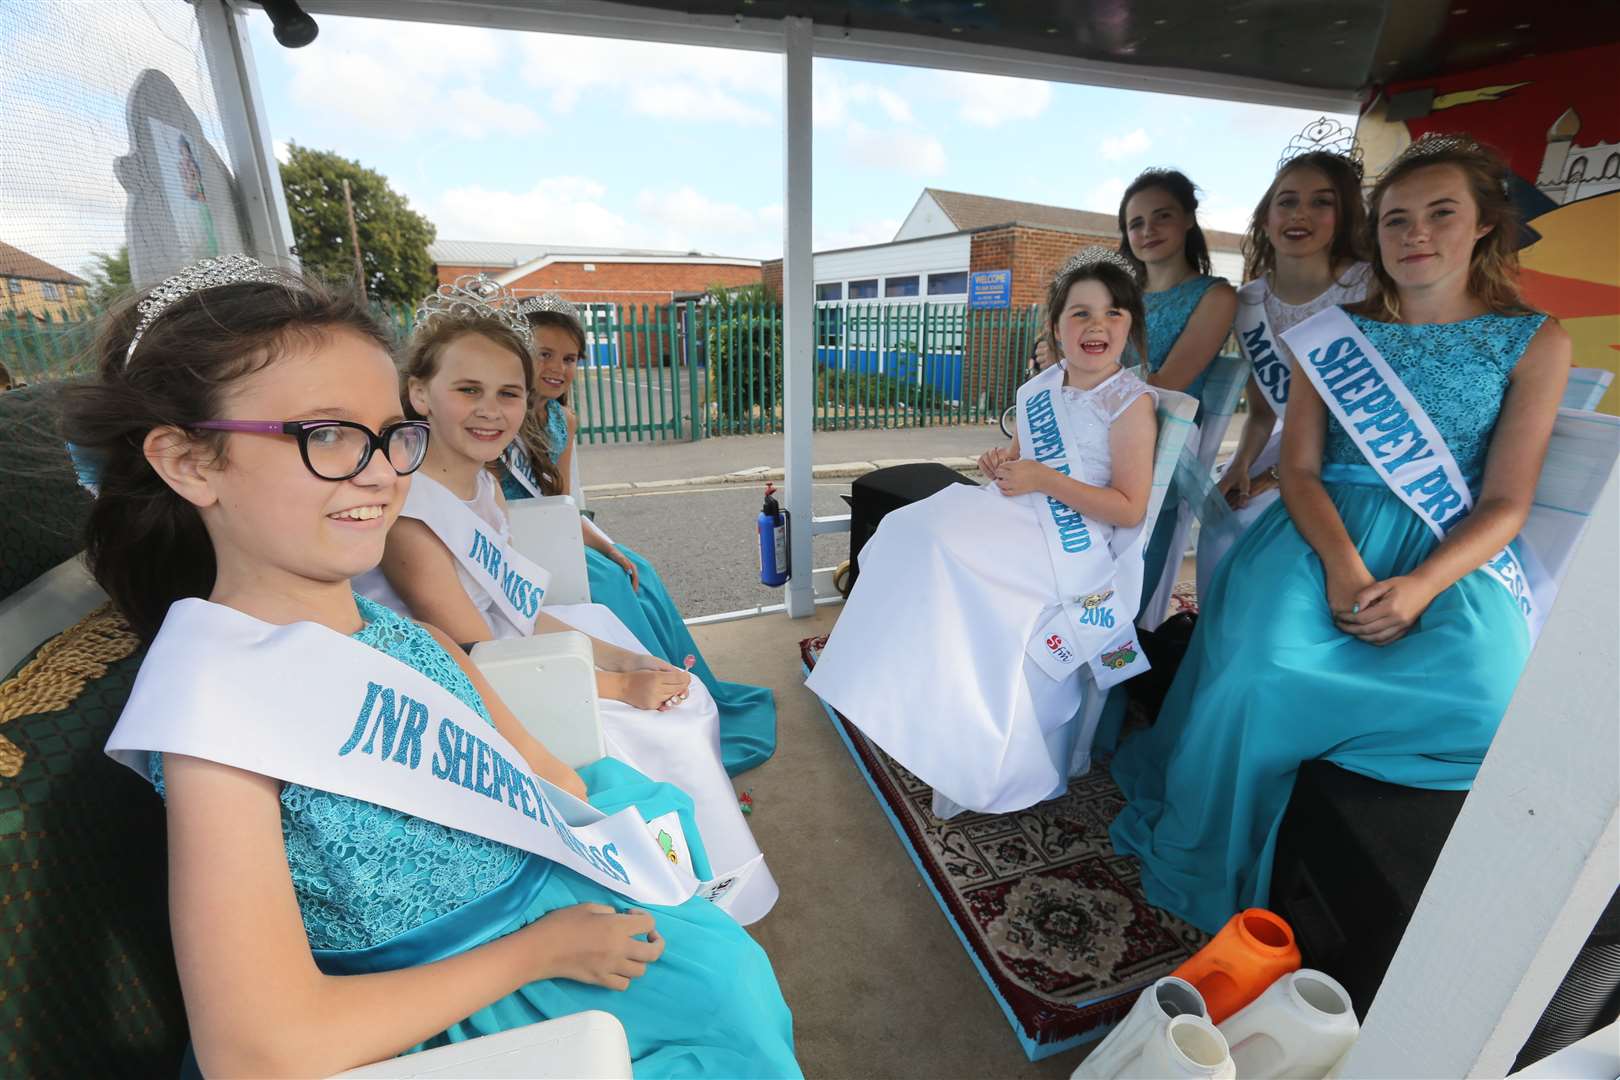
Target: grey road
(703, 540)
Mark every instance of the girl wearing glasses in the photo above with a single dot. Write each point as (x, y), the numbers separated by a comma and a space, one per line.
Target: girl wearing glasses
(469, 373)
(252, 455)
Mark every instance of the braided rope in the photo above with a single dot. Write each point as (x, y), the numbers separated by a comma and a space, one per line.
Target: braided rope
(59, 672)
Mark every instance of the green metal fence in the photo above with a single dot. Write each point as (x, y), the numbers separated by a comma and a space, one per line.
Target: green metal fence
(694, 370)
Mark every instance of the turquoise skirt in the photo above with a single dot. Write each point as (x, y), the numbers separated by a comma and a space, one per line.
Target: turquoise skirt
(1269, 682)
(747, 713)
(709, 1006)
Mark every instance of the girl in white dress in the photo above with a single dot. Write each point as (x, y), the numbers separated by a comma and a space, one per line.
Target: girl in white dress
(937, 655)
(469, 373)
(1304, 251)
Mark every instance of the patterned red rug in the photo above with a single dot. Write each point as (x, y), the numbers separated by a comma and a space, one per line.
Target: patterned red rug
(1050, 916)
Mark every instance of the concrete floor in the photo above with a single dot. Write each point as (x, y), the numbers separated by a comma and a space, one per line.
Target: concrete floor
(877, 980)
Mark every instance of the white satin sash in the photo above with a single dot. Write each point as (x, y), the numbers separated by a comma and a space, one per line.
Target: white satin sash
(515, 583)
(309, 706)
(1257, 338)
(1396, 436)
(1098, 571)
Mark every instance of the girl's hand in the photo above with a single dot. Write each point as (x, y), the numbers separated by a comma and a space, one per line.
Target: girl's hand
(1343, 585)
(1258, 484)
(1384, 611)
(593, 944)
(1234, 483)
(991, 459)
(627, 566)
(1022, 477)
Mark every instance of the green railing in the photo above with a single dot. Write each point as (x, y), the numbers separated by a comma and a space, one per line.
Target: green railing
(693, 370)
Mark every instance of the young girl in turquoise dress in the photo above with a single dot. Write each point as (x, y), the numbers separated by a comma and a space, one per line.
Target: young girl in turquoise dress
(1189, 313)
(469, 371)
(1372, 644)
(315, 932)
(620, 579)
(1305, 250)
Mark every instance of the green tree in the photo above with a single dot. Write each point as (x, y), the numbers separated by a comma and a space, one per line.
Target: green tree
(394, 238)
(109, 277)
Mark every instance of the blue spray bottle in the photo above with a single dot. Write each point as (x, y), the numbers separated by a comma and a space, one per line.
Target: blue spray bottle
(774, 564)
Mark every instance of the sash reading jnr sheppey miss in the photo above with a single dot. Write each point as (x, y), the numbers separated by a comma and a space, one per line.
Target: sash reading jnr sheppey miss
(1397, 437)
(1098, 568)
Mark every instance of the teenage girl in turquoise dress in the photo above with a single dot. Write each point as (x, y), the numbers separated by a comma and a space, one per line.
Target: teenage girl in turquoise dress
(620, 579)
(315, 932)
(1189, 312)
(1338, 627)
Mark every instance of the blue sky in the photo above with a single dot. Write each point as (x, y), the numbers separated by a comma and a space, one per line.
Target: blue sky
(542, 138)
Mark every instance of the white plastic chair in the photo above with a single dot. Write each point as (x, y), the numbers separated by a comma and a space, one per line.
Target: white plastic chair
(549, 683)
(1223, 386)
(1582, 450)
(588, 1045)
(546, 530)
(1176, 433)
(1586, 388)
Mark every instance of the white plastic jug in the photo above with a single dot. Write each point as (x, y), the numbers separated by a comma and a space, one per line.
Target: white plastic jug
(1299, 1028)
(1188, 1046)
(1154, 1009)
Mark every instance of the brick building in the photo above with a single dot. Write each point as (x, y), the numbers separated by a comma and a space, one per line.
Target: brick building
(949, 236)
(594, 275)
(34, 287)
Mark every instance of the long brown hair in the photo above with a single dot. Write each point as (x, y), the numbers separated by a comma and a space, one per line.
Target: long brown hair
(145, 544)
(1349, 224)
(1123, 290)
(1493, 268)
(1185, 192)
(534, 433)
(437, 333)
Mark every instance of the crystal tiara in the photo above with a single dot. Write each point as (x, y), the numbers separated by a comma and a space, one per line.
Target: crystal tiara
(1324, 136)
(199, 276)
(475, 296)
(1095, 254)
(547, 302)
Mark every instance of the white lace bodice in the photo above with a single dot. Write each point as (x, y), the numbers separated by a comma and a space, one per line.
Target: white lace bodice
(1092, 412)
(1349, 289)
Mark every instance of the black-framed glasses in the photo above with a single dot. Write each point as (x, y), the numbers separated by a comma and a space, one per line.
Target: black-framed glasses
(340, 449)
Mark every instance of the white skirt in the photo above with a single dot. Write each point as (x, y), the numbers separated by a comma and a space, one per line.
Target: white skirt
(928, 660)
(681, 746)
(1213, 544)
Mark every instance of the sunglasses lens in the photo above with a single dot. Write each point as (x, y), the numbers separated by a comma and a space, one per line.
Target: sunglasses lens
(407, 446)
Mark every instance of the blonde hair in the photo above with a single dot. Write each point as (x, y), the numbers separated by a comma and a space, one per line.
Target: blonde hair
(1493, 268)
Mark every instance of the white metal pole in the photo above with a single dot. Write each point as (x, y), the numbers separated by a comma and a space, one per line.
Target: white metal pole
(1531, 861)
(247, 129)
(798, 309)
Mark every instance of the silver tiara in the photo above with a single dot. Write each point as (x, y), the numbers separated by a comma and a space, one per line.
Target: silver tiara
(1434, 142)
(1324, 136)
(475, 296)
(1095, 254)
(547, 302)
(207, 274)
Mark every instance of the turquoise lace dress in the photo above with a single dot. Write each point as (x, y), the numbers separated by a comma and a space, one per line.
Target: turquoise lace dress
(380, 890)
(1167, 315)
(747, 713)
(1269, 681)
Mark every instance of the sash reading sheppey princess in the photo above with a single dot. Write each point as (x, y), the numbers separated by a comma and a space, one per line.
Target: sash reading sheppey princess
(1396, 436)
(326, 712)
(1099, 578)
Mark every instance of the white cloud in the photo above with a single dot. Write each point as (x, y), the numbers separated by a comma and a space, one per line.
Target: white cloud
(677, 81)
(402, 80)
(898, 151)
(559, 210)
(280, 149)
(1220, 212)
(1115, 147)
(835, 100)
(1103, 196)
(992, 100)
(686, 219)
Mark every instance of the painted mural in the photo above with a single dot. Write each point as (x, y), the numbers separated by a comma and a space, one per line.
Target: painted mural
(1560, 130)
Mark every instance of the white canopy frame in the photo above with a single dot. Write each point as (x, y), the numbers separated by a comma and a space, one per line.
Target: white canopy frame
(1484, 951)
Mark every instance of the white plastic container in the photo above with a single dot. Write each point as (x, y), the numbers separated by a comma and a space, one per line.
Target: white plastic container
(1299, 1028)
(1154, 1009)
(1187, 1047)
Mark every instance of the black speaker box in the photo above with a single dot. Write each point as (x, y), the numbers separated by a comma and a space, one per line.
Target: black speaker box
(882, 490)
